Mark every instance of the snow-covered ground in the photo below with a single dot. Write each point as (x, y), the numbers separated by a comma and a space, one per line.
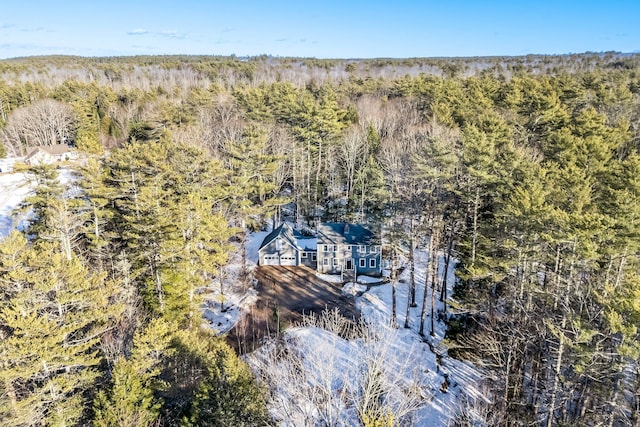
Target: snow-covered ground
(223, 308)
(407, 360)
(442, 385)
(15, 187)
(437, 367)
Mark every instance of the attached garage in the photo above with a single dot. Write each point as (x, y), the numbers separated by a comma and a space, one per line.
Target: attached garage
(271, 259)
(288, 260)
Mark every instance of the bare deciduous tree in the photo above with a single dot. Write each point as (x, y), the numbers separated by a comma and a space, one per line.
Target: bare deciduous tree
(353, 154)
(354, 374)
(45, 122)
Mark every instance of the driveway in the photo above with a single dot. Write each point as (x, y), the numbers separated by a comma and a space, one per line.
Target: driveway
(284, 294)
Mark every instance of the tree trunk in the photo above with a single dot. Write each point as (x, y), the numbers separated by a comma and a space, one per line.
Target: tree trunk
(394, 285)
(474, 237)
(243, 246)
(445, 274)
(412, 261)
(623, 258)
(434, 281)
(423, 313)
(411, 295)
(556, 373)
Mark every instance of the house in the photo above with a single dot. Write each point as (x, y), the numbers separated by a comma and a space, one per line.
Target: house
(286, 246)
(48, 154)
(340, 248)
(348, 249)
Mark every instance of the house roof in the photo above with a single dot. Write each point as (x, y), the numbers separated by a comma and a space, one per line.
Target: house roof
(343, 233)
(285, 231)
(53, 150)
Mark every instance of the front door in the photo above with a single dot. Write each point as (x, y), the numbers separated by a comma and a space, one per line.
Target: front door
(348, 264)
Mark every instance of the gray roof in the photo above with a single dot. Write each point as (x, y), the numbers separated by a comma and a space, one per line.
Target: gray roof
(343, 233)
(294, 237)
(284, 230)
(52, 150)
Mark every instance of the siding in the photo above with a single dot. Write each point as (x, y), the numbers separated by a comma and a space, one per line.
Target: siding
(343, 252)
(270, 249)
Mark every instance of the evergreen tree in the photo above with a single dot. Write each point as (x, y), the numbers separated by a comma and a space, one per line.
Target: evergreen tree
(227, 394)
(52, 315)
(131, 399)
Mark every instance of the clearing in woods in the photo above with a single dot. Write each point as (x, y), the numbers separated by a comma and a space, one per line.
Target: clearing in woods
(285, 293)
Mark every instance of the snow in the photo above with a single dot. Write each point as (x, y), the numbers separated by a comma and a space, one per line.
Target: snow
(375, 307)
(331, 278)
(224, 308)
(222, 312)
(14, 188)
(368, 279)
(407, 360)
(353, 289)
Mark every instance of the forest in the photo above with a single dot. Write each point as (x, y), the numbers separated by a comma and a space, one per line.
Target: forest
(525, 170)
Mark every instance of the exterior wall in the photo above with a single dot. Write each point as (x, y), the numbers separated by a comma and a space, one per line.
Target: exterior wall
(286, 251)
(40, 158)
(327, 253)
(310, 260)
(369, 254)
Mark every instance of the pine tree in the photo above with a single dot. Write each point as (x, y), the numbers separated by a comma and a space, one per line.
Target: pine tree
(52, 315)
(227, 393)
(253, 193)
(131, 401)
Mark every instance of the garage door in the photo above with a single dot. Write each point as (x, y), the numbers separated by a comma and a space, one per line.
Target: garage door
(270, 260)
(287, 260)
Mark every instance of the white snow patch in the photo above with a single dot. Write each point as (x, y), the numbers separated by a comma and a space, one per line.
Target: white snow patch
(353, 289)
(222, 312)
(334, 364)
(368, 279)
(331, 278)
(14, 188)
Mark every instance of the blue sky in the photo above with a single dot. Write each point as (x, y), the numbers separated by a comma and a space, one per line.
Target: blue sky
(325, 29)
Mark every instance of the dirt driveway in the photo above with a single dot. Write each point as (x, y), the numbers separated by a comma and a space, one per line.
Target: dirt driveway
(284, 294)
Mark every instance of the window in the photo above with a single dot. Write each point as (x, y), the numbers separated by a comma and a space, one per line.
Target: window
(314, 257)
(335, 248)
(363, 263)
(372, 263)
(335, 262)
(325, 248)
(374, 249)
(362, 248)
(304, 255)
(349, 248)
(325, 261)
